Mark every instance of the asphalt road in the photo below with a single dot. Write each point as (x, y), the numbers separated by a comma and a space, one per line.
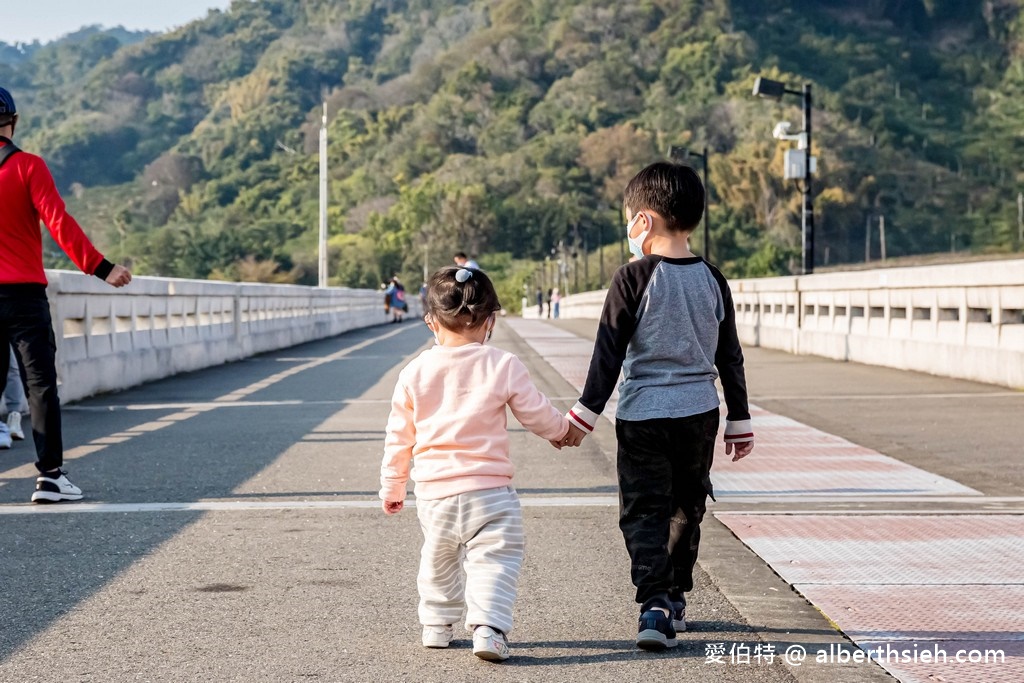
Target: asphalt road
(232, 534)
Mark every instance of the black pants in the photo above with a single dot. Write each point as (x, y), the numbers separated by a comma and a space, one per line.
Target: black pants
(25, 324)
(664, 467)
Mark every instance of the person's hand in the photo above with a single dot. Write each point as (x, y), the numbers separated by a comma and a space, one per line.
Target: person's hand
(743, 449)
(556, 444)
(119, 276)
(574, 437)
(393, 507)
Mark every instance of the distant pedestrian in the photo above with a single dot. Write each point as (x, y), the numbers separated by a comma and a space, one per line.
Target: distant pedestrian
(551, 292)
(12, 404)
(395, 293)
(28, 195)
(540, 303)
(669, 324)
(556, 300)
(463, 261)
(448, 422)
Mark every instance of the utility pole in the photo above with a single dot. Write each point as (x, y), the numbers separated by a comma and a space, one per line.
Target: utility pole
(1020, 218)
(322, 270)
(881, 233)
(867, 239)
(765, 87)
(808, 212)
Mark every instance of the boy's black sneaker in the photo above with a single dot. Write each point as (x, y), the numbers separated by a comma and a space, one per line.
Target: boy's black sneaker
(679, 615)
(655, 632)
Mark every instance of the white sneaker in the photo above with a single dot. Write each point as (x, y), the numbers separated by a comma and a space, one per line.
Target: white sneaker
(5, 436)
(490, 644)
(14, 425)
(54, 490)
(438, 636)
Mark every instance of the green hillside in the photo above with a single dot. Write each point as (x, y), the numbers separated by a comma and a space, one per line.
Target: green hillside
(503, 126)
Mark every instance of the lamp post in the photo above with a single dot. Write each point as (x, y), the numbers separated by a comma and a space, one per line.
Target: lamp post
(764, 87)
(683, 153)
(322, 241)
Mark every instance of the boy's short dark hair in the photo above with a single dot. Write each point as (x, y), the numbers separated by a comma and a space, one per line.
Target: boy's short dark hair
(672, 190)
(461, 255)
(456, 304)
(6, 119)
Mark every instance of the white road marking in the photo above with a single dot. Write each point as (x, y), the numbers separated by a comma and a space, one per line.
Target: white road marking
(242, 505)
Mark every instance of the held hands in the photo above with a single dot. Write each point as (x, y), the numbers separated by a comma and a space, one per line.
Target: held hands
(392, 507)
(119, 277)
(573, 438)
(742, 448)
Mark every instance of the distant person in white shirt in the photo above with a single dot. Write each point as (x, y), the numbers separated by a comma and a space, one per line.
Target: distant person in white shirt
(463, 261)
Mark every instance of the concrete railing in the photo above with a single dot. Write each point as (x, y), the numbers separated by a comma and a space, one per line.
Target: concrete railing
(963, 320)
(111, 339)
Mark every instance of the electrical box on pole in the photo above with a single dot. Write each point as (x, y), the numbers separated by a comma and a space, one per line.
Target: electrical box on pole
(795, 160)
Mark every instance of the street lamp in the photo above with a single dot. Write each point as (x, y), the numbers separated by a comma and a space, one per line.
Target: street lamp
(683, 153)
(764, 87)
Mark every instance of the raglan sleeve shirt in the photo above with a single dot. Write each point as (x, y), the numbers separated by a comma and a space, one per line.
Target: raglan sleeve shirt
(729, 362)
(618, 322)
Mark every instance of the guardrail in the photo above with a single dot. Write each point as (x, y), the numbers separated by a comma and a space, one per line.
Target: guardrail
(111, 339)
(962, 320)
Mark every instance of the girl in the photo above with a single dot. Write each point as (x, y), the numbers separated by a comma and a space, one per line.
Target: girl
(448, 418)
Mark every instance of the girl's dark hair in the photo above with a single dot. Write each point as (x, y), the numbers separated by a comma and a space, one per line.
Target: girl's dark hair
(461, 297)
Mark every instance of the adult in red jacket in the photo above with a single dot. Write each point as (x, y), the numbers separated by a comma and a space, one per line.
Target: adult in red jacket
(28, 195)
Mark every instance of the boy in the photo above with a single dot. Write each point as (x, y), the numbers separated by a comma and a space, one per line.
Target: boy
(668, 323)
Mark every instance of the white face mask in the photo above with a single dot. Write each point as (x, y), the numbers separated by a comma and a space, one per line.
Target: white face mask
(636, 246)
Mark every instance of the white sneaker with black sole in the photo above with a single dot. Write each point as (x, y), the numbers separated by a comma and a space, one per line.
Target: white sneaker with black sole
(490, 644)
(54, 489)
(14, 425)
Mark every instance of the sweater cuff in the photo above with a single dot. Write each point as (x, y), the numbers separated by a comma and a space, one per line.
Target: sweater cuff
(738, 431)
(103, 269)
(392, 491)
(583, 417)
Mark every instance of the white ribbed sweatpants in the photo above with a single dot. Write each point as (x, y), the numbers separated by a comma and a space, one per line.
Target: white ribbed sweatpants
(486, 528)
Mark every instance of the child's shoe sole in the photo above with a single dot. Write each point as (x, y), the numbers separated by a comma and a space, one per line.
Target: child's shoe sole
(654, 640)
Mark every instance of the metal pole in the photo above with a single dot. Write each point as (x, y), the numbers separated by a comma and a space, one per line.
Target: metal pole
(322, 270)
(707, 209)
(881, 233)
(867, 240)
(1020, 218)
(808, 213)
(600, 254)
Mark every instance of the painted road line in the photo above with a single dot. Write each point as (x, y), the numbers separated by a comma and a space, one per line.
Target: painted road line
(241, 506)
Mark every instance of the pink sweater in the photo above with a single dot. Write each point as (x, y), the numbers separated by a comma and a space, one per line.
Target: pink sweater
(448, 420)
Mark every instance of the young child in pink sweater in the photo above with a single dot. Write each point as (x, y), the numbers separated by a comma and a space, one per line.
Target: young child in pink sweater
(448, 422)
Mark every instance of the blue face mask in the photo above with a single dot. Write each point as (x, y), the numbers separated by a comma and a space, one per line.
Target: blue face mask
(636, 246)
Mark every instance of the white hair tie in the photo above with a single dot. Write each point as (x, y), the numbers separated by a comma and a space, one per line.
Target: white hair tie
(463, 275)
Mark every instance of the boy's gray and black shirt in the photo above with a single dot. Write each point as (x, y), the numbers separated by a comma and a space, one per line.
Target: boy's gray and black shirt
(669, 325)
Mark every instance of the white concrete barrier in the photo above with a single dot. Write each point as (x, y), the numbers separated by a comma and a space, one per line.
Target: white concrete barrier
(110, 339)
(960, 320)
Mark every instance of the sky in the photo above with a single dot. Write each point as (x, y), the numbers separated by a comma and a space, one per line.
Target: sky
(45, 20)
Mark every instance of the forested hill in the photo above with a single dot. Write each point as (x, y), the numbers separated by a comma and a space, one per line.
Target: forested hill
(502, 126)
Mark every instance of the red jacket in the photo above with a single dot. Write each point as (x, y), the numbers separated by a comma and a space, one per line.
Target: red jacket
(28, 195)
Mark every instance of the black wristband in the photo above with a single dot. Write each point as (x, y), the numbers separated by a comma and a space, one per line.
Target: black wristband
(103, 269)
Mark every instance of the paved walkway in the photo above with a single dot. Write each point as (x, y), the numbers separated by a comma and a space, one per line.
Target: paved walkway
(231, 534)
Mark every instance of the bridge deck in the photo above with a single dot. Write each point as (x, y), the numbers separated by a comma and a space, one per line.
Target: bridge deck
(232, 533)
